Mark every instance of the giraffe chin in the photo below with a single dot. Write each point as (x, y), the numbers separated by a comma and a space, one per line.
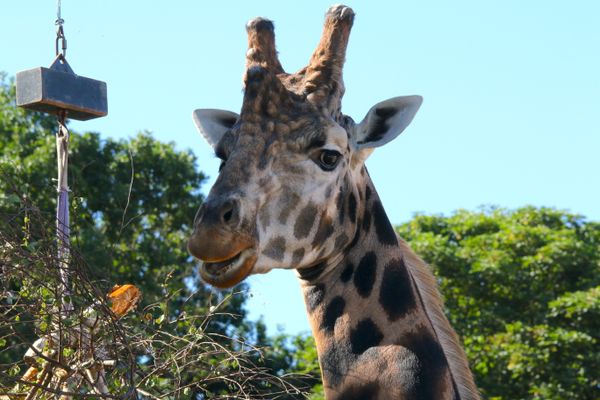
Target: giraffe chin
(230, 272)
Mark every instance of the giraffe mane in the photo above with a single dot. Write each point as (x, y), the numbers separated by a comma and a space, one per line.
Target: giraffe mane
(427, 290)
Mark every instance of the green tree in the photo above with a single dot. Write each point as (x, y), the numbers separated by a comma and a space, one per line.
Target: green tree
(132, 205)
(522, 290)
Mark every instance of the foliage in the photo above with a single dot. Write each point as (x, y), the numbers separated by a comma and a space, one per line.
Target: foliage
(522, 289)
(132, 205)
(295, 355)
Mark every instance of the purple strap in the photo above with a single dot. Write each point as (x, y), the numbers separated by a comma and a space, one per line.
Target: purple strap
(62, 213)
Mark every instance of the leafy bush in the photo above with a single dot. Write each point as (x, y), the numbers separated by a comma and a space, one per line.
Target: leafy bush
(521, 289)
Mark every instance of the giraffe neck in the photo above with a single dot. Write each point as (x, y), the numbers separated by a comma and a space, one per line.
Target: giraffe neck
(376, 336)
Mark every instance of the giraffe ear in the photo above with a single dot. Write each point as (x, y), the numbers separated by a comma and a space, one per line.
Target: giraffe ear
(213, 124)
(385, 121)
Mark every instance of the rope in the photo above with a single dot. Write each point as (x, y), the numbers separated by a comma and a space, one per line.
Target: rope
(62, 211)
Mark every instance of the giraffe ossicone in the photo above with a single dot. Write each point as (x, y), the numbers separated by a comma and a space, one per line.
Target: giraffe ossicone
(293, 192)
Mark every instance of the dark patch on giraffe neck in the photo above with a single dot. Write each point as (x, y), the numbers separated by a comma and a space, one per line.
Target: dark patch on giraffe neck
(313, 272)
(287, 202)
(364, 392)
(314, 296)
(366, 221)
(275, 249)
(366, 334)
(305, 221)
(433, 376)
(396, 293)
(341, 206)
(352, 207)
(383, 227)
(333, 311)
(368, 192)
(297, 256)
(347, 272)
(335, 362)
(364, 276)
(324, 231)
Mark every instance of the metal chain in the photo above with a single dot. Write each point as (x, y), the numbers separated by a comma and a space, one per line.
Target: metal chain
(60, 34)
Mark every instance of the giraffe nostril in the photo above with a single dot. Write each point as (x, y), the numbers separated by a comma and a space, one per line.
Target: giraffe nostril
(227, 216)
(229, 212)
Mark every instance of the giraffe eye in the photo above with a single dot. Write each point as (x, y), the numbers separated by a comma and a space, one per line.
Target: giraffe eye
(328, 159)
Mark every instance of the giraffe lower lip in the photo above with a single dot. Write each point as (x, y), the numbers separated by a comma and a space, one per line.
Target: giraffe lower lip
(224, 274)
(220, 267)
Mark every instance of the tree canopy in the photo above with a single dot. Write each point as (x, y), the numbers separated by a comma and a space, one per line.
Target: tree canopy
(522, 289)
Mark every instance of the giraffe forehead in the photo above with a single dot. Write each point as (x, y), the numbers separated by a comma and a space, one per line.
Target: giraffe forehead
(301, 134)
(336, 135)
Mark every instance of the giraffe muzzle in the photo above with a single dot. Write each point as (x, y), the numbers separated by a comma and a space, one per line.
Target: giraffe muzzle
(226, 257)
(227, 273)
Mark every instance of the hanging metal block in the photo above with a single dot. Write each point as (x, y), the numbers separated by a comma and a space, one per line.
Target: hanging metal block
(58, 88)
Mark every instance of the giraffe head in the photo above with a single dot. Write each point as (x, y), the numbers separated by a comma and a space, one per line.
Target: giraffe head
(292, 173)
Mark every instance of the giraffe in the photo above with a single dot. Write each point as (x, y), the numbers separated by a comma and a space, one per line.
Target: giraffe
(293, 192)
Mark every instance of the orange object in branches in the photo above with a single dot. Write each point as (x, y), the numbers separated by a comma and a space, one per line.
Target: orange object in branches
(31, 375)
(123, 298)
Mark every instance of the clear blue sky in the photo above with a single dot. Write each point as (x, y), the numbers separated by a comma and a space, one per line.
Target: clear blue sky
(511, 91)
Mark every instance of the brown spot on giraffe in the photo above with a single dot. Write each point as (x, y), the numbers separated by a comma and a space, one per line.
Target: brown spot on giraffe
(293, 192)
(324, 231)
(305, 221)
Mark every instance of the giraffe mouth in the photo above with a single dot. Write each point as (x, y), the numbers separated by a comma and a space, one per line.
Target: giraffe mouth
(229, 272)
